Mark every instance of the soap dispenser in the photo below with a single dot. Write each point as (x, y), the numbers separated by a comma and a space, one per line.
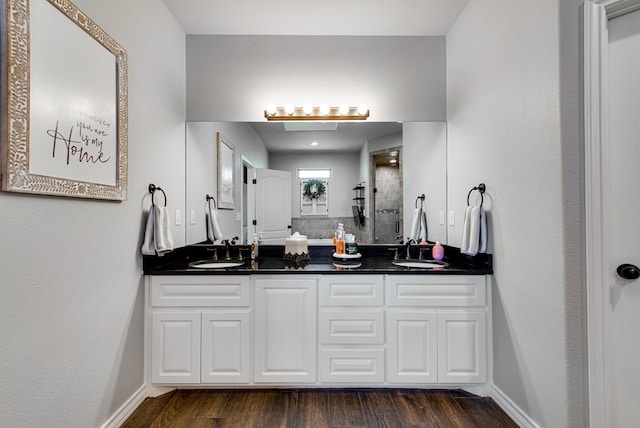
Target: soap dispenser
(438, 251)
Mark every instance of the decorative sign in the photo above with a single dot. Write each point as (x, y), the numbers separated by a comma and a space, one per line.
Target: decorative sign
(66, 109)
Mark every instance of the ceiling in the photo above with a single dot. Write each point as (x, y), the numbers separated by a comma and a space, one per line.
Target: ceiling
(318, 18)
(348, 136)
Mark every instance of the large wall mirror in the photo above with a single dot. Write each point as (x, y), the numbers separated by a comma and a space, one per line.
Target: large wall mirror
(378, 169)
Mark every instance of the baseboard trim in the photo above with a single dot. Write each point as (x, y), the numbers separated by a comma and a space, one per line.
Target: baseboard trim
(511, 409)
(127, 408)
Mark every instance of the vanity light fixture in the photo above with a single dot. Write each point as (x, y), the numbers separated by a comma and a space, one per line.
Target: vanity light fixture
(309, 112)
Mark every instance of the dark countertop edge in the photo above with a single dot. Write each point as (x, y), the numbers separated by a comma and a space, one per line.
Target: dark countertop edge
(271, 257)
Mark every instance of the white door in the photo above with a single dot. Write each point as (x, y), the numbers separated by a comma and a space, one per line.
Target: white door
(462, 342)
(175, 353)
(225, 347)
(413, 347)
(285, 330)
(273, 205)
(621, 210)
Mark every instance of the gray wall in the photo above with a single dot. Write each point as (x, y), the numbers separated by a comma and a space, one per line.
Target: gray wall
(345, 173)
(202, 177)
(71, 300)
(232, 78)
(424, 166)
(512, 91)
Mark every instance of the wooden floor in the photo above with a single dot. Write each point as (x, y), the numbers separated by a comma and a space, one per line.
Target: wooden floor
(318, 408)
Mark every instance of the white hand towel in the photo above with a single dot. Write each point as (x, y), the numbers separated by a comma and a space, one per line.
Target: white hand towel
(213, 225)
(482, 248)
(466, 231)
(162, 236)
(423, 226)
(415, 225)
(474, 231)
(148, 246)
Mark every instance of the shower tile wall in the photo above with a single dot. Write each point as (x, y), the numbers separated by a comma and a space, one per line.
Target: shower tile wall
(387, 197)
(324, 227)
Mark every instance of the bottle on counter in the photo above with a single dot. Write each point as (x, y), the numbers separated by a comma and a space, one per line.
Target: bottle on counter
(254, 247)
(438, 251)
(340, 235)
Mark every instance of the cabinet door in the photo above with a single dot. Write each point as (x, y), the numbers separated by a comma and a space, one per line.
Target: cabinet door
(413, 353)
(225, 347)
(175, 356)
(285, 330)
(462, 347)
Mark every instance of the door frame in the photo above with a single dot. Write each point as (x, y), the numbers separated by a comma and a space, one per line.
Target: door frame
(595, 39)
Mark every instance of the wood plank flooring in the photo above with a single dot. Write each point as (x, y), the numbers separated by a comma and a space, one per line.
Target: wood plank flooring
(319, 408)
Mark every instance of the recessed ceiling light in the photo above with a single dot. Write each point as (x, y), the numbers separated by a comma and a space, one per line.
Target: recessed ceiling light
(394, 153)
(393, 161)
(313, 143)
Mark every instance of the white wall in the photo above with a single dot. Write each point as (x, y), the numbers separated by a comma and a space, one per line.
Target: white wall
(512, 90)
(232, 78)
(71, 300)
(345, 175)
(202, 178)
(424, 171)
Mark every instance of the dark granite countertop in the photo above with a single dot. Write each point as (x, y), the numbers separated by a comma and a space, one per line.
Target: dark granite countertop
(375, 259)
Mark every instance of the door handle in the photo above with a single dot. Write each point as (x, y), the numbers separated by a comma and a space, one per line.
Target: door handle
(628, 271)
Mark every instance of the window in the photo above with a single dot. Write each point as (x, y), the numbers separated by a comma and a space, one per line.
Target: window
(304, 173)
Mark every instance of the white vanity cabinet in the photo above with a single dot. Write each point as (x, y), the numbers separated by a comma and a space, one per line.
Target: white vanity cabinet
(285, 330)
(200, 329)
(437, 328)
(292, 329)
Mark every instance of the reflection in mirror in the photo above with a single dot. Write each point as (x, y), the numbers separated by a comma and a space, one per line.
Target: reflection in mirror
(358, 156)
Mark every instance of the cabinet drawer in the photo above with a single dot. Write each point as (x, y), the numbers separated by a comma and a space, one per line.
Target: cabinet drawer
(352, 328)
(436, 290)
(351, 290)
(352, 365)
(206, 290)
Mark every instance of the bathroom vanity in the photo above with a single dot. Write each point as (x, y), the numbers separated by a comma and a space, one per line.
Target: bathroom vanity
(318, 325)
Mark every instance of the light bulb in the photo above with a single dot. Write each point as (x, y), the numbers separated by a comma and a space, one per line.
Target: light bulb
(289, 108)
(344, 109)
(307, 109)
(324, 109)
(362, 109)
(271, 109)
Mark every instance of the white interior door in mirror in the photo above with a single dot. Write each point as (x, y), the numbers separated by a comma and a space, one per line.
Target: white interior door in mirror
(273, 205)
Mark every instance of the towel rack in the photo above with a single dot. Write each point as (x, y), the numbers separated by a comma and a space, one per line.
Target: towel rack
(421, 198)
(481, 189)
(152, 190)
(211, 198)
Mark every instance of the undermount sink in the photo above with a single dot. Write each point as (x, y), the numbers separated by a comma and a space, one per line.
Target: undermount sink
(421, 264)
(205, 264)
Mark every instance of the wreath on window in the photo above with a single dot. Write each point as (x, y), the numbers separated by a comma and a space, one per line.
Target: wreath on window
(314, 189)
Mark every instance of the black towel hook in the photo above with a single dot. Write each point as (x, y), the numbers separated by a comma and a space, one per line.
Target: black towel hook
(152, 190)
(211, 198)
(421, 198)
(481, 189)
